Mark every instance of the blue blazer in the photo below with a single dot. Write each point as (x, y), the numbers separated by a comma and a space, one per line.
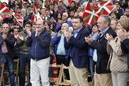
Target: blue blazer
(78, 49)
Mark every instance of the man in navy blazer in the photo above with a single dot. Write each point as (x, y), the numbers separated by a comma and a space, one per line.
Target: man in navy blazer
(78, 53)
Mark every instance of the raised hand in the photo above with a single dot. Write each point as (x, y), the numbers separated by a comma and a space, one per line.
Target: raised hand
(37, 32)
(21, 37)
(28, 32)
(109, 37)
(89, 39)
(122, 34)
(67, 34)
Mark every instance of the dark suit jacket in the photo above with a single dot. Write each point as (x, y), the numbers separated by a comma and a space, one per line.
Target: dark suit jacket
(10, 41)
(100, 45)
(78, 49)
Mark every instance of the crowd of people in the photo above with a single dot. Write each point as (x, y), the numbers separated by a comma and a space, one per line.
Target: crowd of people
(101, 49)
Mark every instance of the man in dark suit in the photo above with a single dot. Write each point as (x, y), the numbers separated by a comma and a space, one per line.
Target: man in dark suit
(102, 75)
(78, 53)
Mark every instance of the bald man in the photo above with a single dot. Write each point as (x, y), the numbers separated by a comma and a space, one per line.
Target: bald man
(58, 41)
(39, 42)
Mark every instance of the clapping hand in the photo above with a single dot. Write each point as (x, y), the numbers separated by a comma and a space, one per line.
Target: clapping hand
(67, 34)
(109, 37)
(60, 33)
(37, 32)
(122, 34)
(89, 39)
(21, 38)
(28, 32)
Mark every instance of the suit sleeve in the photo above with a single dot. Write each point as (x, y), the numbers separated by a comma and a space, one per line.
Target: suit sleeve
(100, 46)
(55, 40)
(29, 41)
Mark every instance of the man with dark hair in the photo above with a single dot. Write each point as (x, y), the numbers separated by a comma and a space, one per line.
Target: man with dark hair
(77, 53)
(24, 55)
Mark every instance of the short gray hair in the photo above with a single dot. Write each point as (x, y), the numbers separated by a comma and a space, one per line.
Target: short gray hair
(107, 19)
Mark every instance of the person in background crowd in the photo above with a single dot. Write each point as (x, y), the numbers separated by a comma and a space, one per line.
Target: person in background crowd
(119, 10)
(94, 34)
(124, 4)
(64, 19)
(87, 26)
(28, 15)
(77, 53)
(50, 27)
(118, 60)
(102, 76)
(61, 7)
(53, 12)
(71, 15)
(114, 15)
(113, 24)
(47, 26)
(72, 7)
(127, 12)
(15, 33)
(39, 42)
(1, 21)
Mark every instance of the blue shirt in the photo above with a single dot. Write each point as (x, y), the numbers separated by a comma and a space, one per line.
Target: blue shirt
(75, 32)
(60, 47)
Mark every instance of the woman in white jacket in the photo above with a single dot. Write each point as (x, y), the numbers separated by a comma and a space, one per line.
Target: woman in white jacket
(118, 60)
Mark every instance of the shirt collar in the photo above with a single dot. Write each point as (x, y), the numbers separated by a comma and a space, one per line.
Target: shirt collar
(77, 31)
(104, 31)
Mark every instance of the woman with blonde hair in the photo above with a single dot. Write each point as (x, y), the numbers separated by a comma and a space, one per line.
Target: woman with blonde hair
(118, 59)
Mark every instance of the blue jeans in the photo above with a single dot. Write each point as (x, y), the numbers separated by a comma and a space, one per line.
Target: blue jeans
(10, 65)
(24, 60)
(92, 66)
